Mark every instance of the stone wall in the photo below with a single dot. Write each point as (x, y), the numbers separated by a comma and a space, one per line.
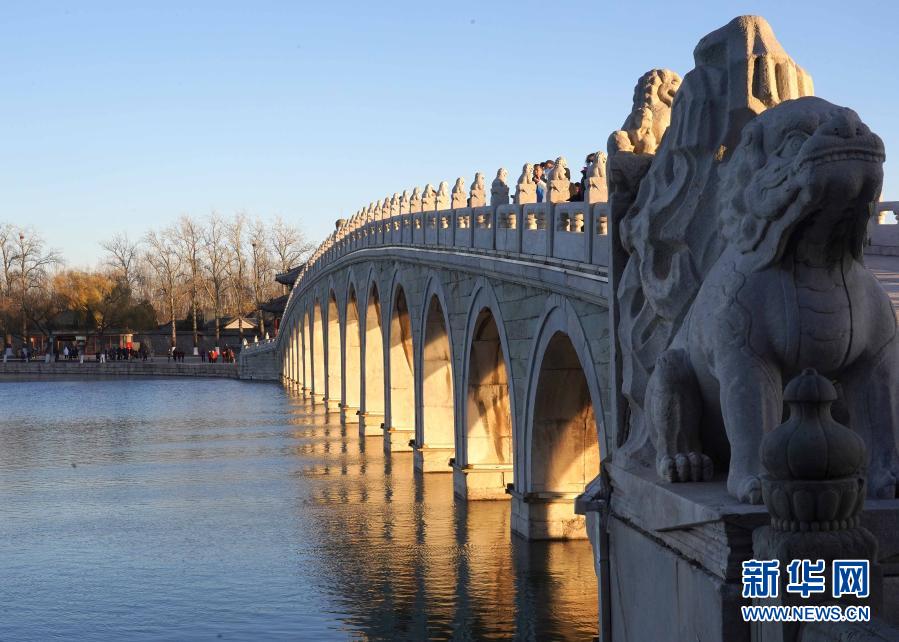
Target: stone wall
(119, 369)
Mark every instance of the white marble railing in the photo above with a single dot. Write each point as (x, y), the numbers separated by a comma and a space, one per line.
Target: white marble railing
(575, 232)
(883, 231)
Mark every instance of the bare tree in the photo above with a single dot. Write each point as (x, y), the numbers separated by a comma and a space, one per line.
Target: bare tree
(215, 257)
(236, 266)
(190, 241)
(289, 244)
(163, 257)
(123, 258)
(31, 264)
(6, 253)
(261, 268)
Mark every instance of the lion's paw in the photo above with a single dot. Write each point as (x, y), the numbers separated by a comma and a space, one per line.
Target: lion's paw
(748, 490)
(686, 467)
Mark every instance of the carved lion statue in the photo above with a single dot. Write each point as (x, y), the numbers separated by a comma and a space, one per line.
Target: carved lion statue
(789, 291)
(527, 174)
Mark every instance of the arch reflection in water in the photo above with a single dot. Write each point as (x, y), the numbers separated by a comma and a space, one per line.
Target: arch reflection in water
(411, 562)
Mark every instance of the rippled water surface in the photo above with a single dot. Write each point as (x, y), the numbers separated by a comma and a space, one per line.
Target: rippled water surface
(202, 509)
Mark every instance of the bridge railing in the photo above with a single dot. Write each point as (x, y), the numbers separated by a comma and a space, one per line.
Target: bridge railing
(573, 232)
(883, 231)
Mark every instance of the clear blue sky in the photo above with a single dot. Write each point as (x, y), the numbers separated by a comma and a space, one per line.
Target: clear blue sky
(123, 115)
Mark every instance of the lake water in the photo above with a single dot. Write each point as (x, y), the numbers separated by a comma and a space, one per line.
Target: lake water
(172, 509)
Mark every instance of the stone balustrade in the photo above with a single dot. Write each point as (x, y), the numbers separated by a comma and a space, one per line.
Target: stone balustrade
(571, 232)
(883, 231)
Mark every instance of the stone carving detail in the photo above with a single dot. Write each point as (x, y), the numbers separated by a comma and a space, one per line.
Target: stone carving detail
(478, 196)
(812, 455)
(415, 201)
(744, 247)
(442, 200)
(458, 199)
(404, 202)
(499, 190)
(650, 115)
(428, 199)
(386, 207)
(526, 190)
(597, 188)
(395, 204)
(559, 182)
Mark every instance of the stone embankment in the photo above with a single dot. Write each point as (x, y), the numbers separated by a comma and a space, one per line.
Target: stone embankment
(155, 368)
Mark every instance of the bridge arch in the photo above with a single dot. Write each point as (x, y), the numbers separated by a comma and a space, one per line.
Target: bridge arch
(400, 413)
(486, 431)
(334, 351)
(372, 415)
(563, 430)
(352, 355)
(318, 351)
(435, 421)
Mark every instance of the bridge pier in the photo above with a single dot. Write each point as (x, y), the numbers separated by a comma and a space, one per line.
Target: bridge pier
(348, 414)
(546, 515)
(432, 459)
(396, 440)
(370, 424)
(482, 481)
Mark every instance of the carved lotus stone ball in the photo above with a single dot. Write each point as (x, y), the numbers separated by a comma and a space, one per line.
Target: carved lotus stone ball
(811, 444)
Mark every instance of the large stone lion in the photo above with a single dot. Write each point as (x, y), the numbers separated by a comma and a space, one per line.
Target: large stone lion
(789, 291)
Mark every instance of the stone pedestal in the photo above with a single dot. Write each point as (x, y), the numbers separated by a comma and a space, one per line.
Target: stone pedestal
(370, 424)
(317, 398)
(348, 415)
(331, 404)
(678, 550)
(396, 440)
(546, 516)
(428, 459)
(482, 481)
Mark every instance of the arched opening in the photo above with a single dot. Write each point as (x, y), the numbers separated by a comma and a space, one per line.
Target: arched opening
(564, 450)
(318, 353)
(488, 415)
(402, 377)
(435, 446)
(373, 416)
(334, 354)
(307, 354)
(353, 358)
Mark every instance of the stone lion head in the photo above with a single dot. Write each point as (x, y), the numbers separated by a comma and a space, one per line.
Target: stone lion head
(803, 164)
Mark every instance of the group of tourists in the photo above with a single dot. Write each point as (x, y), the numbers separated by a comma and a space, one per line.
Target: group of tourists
(212, 356)
(123, 354)
(543, 172)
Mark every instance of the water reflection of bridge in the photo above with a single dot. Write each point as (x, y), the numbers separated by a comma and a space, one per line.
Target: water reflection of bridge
(408, 559)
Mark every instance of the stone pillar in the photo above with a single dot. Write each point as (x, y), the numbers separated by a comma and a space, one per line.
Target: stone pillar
(526, 189)
(814, 491)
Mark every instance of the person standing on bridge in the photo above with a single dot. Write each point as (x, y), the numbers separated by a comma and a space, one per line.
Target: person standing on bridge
(538, 180)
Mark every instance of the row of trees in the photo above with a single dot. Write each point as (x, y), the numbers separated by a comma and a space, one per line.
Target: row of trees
(194, 269)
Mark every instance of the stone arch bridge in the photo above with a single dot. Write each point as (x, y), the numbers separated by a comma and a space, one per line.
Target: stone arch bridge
(476, 337)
